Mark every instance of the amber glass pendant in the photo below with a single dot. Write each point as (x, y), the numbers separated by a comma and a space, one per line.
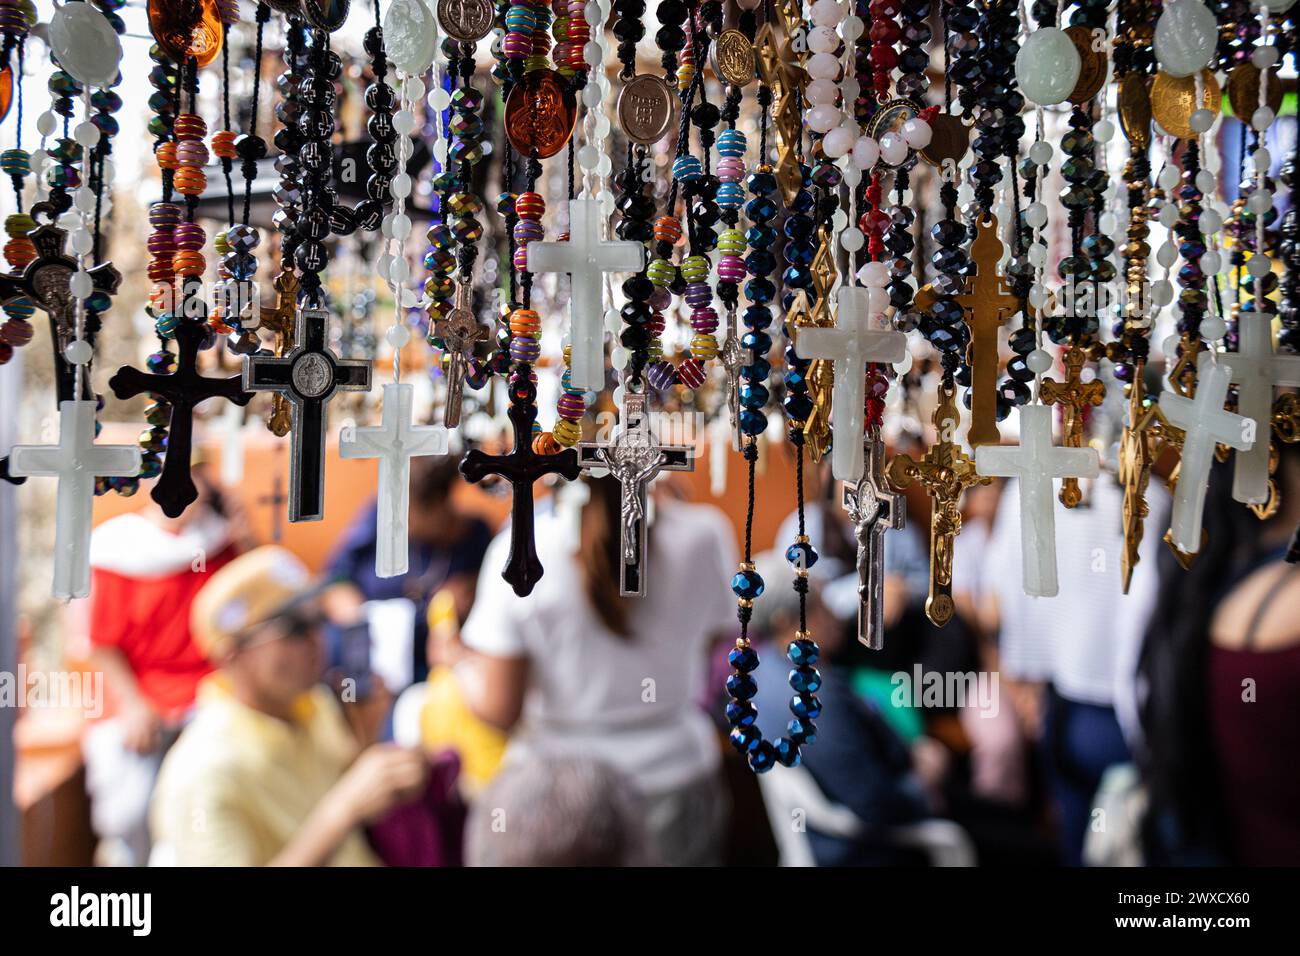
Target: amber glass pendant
(187, 29)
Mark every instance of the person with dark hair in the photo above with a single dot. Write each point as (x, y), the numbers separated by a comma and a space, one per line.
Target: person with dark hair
(446, 548)
(575, 669)
(558, 811)
(1220, 671)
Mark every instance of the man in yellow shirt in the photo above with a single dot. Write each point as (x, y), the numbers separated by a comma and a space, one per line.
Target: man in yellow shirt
(267, 773)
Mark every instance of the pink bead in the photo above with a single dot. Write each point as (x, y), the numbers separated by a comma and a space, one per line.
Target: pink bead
(731, 169)
(660, 299)
(192, 152)
(704, 320)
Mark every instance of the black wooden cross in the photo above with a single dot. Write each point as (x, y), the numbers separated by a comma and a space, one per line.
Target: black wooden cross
(308, 376)
(521, 468)
(183, 389)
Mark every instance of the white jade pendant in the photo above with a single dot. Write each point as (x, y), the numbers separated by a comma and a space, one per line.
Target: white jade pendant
(1205, 423)
(1185, 37)
(1035, 462)
(410, 36)
(856, 340)
(395, 441)
(586, 257)
(1047, 66)
(85, 43)
(76, 461)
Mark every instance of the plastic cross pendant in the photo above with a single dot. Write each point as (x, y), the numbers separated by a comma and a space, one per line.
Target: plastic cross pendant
(75, 461)
(308, 376)
(395, 441)
(856, 340)
(183, 390)
(459, 332)
(1073, 395)
(1256, 371)
(945, 472)
(634, 457)
(873, 508)
(988, 303)
(1205, 423)
(521, 468)
(1035, 462)
(733, 358)
(586, 257)
(45, 280)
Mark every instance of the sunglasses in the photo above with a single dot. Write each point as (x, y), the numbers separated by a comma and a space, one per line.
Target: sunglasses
(295, 624)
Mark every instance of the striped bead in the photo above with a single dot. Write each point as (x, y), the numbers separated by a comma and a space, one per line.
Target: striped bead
(695, 268)
(704, 347)
(668, 229)
(568, 433)
(687, 168)
(732, 142)
(691, 371)
(525, 322)
(661, 375)
(546, 443)
(661, 272)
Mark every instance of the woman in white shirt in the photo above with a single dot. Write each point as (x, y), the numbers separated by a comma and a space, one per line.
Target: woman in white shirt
(573, 668)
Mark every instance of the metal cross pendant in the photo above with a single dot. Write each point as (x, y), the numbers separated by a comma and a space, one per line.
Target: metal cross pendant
(46, 280)
(733, 358)
(634, 457)
(988, 303)
(521, 468)
(873, 508)
(308, 377)
(1073, 395)
(75, 461)
(459, 331)
(394, 442)
(183, 389)
(945, 472)
(280, 320)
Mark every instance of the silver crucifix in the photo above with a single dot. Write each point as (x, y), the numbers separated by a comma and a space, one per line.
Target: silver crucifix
(733, 358)
(874, 508)
(634, 457)
(459, 331)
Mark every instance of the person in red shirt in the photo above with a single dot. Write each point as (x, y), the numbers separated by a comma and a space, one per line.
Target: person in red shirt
(146, 569)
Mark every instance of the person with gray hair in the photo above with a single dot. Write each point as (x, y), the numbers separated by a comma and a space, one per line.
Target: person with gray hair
(558, 811)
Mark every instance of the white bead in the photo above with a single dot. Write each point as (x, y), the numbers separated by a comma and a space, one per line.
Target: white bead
(413, 88)
(1036, 215)
(613, 321)
(839, 220)
(866, 152)
(398, 335)
(1041, 152)
(439, 99)
(875, 275)
(1104, 131)
(1262, 159)
(79, 352)
(822, 66)
(1185, 37)
(404, 122)
(1207, 183)
(619, 392)
(1170, 345)
(1210, 221)
(588, 157)
(852, 27)
(1038, 295)
(1212, 328)
(604, 166)
(440, 150)
(852, 239)
(1169, 177)
(384, 262)
(1210, 262)
(877, 300)
(618, 357)
(1259, 266)
(591, 96)
(84, 199)
(87, 134)
(822, 93)
(917, 133)
(1167, 254)
(823, 40)
(400, 271)
(1107, 222)
(893, 149)
(1039, 361)
(400, 227)
(1262, 118)
(1260, 202)
(1162, 292)
(81, 285)
(839, 141)
(1038, 255)
(409, 299)
(593, 53)
(1264, 56)
(81, 241)
(827, 13)
(401, 185)
(849, 88)
(1201, 120)
(823, 119)
(47, 123)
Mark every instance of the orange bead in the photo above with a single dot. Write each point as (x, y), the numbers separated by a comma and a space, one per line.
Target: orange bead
(190, 181)
(166, 154)
(189, 263)
(160, 270)
(20, 252)
(668, 229)
(223, 144)
(525, 322)
(161, 297)
(544, 443)
(190, 126)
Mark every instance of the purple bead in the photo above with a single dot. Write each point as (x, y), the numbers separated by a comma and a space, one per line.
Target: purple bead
(662, 375)
(660, 299)
(731, 269)
(528, 230)
(524, 349)
(704, 320)
(699, 295)
(571, 406)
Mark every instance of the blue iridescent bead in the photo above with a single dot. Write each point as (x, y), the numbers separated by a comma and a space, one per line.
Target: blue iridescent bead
(760, 262)
(760, 290)
(762, 758)
(745, 739)
(752, 422)
(803, 203)
(760, 237)
(753, 395)
(798, 406)
(743, 659)
(761, 183)
(801, 555)
(756, 317)
(795, 361)
(805, 680)
(760, 209)
(802, 652)
(741, 713)
(795, 380)
(747, 583)
(757, 340)
(741, 686)
(797, 277)
(760, 369)
(802, 731)
(806, 705)
(800, 255)
(787, 752)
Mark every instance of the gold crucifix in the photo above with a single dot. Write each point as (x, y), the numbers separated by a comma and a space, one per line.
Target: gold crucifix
(1073, 395)
(988, 302)
(945, 472)
(1140, 446)
(280, 319)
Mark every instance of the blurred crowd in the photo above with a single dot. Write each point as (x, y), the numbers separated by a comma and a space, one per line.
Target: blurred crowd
(270, 716)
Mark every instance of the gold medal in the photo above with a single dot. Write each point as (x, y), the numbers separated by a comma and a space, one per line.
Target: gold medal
(1135, 109)
(733, 58)
(646, 106)
(1173, 101)
(1092, 65)
(1243, 90)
